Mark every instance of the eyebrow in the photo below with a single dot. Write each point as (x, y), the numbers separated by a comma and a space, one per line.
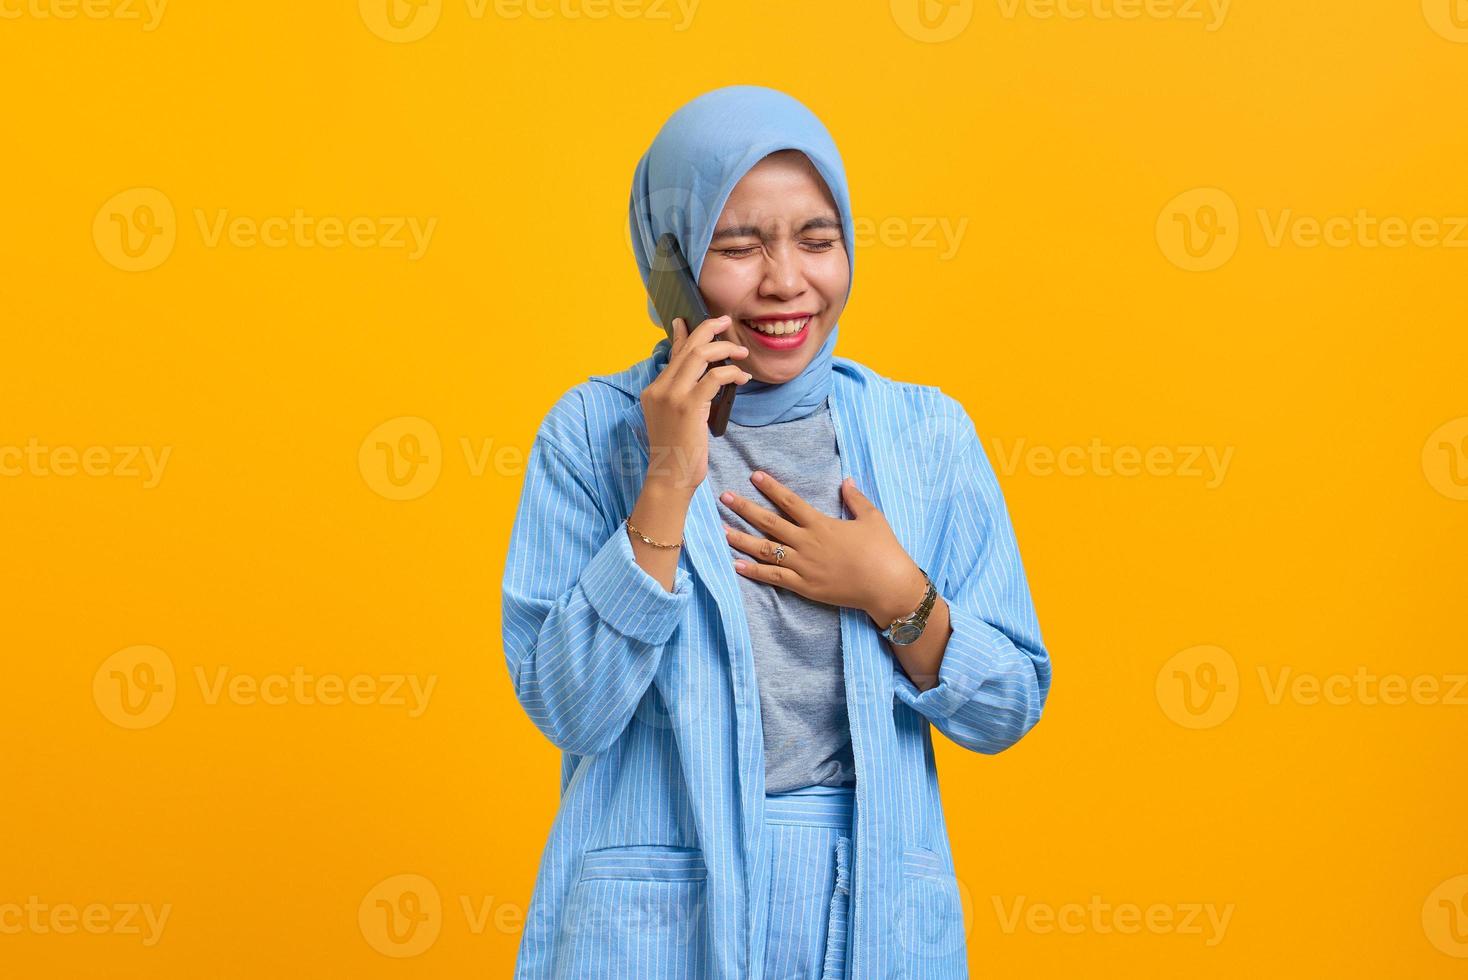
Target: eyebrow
(750, 231)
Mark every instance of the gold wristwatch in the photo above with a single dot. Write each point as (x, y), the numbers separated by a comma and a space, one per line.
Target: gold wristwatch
(906, 629)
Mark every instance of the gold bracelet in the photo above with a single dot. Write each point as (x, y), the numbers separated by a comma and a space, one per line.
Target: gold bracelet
(656, 544)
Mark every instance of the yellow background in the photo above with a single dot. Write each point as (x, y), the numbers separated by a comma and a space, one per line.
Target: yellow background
(271, 543)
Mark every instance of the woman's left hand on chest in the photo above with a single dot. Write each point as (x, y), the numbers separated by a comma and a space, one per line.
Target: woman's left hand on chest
(857, 563)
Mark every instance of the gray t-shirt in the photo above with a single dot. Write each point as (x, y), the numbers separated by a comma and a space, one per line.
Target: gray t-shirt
(797, 641)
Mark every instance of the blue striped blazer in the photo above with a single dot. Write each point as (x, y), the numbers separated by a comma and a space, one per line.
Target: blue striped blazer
(654, 863)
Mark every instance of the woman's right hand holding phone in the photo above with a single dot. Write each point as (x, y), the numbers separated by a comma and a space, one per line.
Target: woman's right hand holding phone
(676, 404)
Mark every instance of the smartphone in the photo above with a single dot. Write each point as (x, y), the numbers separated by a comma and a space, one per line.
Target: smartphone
(675, 294)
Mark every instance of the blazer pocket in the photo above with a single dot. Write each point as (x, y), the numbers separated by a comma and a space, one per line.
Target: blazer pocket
(635, 910)
(644, 862)
(930, 927)
(922, 862)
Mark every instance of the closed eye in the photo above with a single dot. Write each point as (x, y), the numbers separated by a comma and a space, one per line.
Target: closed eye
(816, 245)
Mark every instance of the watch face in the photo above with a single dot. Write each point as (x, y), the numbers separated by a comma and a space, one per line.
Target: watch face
(906, 633)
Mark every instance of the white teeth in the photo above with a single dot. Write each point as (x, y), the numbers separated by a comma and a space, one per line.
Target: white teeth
(775, 328)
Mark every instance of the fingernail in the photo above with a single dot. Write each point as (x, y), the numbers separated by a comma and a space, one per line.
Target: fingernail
(757, 476)
(726, 497)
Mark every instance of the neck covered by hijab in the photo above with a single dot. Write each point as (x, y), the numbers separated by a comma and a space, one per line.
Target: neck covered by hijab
(681, 185)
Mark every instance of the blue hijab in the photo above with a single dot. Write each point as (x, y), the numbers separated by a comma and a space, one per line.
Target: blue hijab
(681, 185)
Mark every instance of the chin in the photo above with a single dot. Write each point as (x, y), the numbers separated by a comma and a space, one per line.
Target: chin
(776, 379)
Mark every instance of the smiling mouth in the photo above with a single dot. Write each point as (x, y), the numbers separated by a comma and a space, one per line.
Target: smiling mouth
(778, 328)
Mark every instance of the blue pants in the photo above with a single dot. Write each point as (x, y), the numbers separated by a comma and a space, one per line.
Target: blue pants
(810, 870)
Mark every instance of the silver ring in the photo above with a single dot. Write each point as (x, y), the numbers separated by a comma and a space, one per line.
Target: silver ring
(779, 553)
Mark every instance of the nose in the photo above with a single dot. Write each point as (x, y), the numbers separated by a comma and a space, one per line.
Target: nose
(784, 275)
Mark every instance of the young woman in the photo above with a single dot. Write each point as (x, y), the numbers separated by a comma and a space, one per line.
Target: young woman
(741, 643)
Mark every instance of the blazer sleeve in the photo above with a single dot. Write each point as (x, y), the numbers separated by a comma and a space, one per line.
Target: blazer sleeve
(584, 625)
(994, 677)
